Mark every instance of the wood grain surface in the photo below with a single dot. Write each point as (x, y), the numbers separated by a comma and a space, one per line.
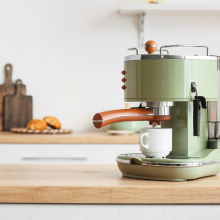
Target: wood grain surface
(8, 88)
(95, 137)
(98, 184)
(17, 109)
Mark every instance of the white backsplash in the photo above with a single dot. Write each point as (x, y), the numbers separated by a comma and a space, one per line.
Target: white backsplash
(70, 53)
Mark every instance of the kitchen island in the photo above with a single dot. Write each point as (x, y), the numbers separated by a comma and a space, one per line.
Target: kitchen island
(98, 184)
(97, 192)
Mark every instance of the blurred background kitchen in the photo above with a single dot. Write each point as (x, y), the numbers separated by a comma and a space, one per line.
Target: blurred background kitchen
(70, 54)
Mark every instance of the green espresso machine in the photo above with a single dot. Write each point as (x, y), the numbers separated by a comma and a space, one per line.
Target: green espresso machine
(178, 92)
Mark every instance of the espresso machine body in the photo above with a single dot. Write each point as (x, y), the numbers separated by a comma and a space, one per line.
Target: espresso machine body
(171, 85)
(167, 79)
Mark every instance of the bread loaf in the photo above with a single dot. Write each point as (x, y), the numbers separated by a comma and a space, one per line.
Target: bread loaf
(37, 124)
(52, 122)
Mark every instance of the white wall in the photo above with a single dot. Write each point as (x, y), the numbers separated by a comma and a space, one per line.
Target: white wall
(70, 53)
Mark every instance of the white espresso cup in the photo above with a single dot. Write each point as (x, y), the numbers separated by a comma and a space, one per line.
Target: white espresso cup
(155, 142)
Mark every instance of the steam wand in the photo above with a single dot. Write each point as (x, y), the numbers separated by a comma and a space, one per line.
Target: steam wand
(196, 109)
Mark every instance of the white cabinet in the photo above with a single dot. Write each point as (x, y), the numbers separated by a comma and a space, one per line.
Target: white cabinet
(63, 153)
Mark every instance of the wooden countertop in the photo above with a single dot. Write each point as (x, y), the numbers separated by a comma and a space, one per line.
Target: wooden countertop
(98, 184)
(74, 138)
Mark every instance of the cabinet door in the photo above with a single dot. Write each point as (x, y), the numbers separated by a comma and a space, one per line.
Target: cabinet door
(63, 153)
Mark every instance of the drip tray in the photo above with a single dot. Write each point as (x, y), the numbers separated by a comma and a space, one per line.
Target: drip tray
(171, 161)
(171, 168)
(138, 158)
(181, 157)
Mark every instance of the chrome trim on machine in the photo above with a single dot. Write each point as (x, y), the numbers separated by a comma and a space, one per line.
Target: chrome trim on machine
(123, 161)
(134, 49)
(214, 130)
(162, 164)
(159, 108)
(151, 46)
(137, 51)
(185, 45)
(166, 57)
(158, 104)
(213, 140)
(218, 63)
(194, 88)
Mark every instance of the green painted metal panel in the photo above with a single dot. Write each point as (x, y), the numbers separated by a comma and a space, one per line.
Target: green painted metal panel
(184, 143)
(170, 80)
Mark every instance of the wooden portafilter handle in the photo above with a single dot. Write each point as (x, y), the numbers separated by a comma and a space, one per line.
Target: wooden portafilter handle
(135, 114)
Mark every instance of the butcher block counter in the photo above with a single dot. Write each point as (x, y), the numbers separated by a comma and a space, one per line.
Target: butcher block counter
(98, 184)
(95, 137)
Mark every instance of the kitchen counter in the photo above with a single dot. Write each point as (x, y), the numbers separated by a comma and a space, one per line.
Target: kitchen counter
(74, 138)
(98, 184)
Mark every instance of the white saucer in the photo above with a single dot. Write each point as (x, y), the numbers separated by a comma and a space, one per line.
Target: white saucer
(120, 132)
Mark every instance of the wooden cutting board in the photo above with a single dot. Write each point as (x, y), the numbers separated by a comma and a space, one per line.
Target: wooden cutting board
(8, 88)
(17, 109)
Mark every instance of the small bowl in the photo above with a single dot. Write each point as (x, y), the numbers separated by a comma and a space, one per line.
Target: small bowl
(128, 126)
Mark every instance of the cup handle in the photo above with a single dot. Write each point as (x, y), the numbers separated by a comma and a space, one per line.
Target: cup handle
(141, 140)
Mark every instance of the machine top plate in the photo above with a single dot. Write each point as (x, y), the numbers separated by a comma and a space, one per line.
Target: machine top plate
(167, 57)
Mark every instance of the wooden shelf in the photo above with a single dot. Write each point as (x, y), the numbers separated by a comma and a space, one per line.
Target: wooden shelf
(75, 138)
(98, 184)
(169, 8)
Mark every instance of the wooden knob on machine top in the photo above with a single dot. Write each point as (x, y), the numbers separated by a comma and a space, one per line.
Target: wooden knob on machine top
(150, 46)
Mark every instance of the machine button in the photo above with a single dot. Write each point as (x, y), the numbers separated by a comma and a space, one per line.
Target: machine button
(123, 72)
(124, 80)
(124, 87)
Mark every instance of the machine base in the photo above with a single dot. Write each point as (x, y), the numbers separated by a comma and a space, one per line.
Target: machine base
(152, 178)
(168, 174)
(205, 163)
